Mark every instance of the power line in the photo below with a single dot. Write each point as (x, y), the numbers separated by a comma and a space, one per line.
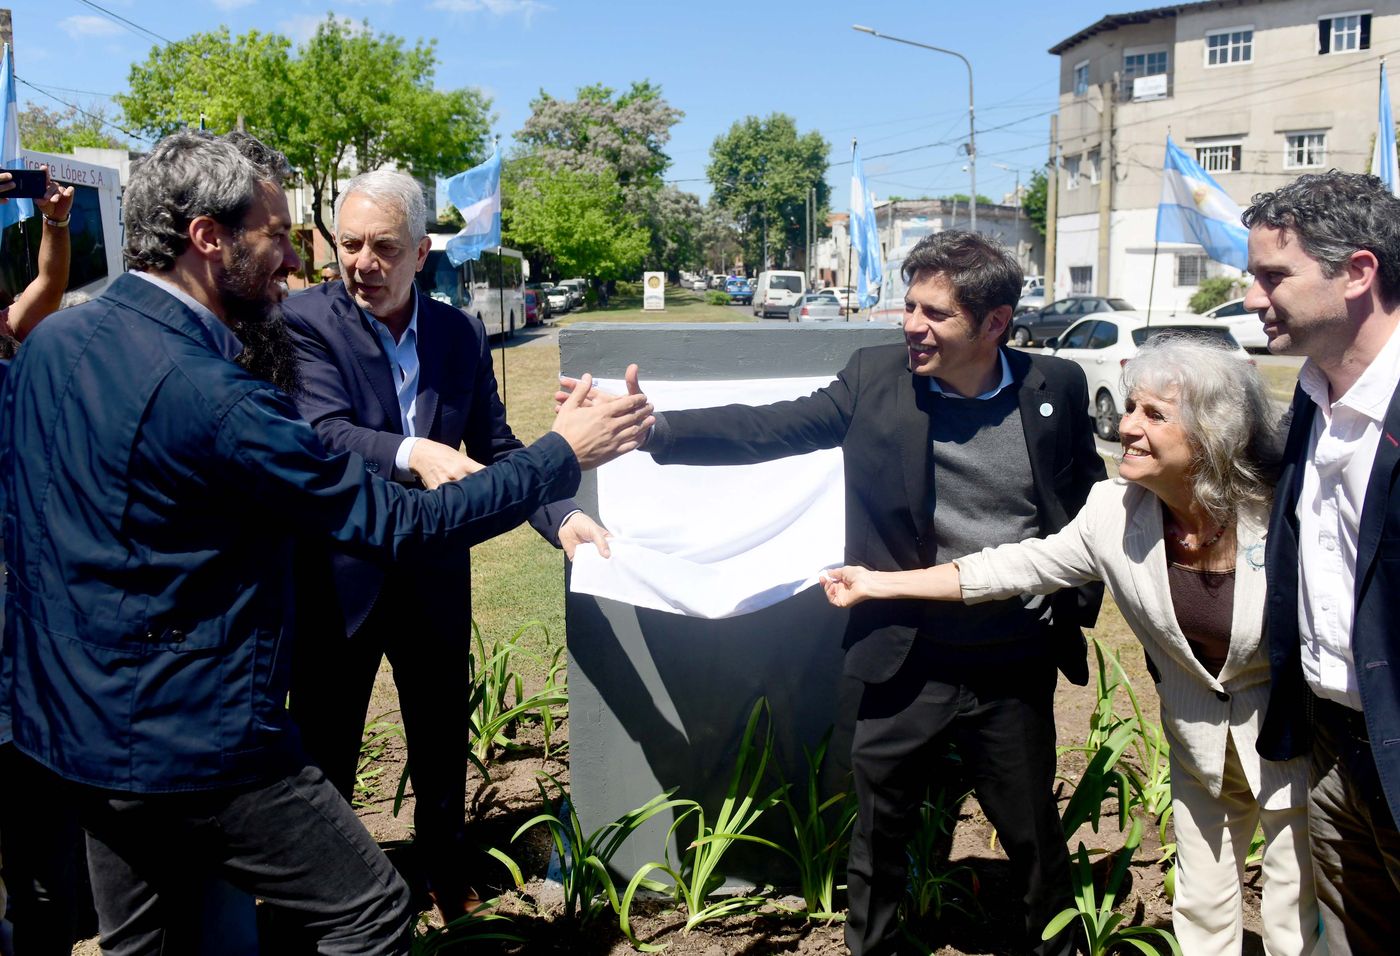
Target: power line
(73, 106)
(124, 21)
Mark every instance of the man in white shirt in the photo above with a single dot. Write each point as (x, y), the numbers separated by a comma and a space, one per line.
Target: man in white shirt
(1325, 255)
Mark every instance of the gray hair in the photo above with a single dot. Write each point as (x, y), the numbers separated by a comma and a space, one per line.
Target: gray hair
(1225, 411)
(187, 175)
(983, 272)
(1334, 215)
(393, 188)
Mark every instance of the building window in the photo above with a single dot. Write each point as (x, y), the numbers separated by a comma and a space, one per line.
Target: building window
(1081, 79)
(1081, 279)
(1219, 157)
(1092, 161)
(1304, 150)
(1224, 47)
(1071, 172)
(1344, 33)
(1191, 269)
(1143, 63)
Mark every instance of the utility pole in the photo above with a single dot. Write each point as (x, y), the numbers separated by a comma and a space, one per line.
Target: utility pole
(1105, 182)
(1052, 205)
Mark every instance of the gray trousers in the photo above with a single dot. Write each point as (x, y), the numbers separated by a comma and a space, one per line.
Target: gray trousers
(1354, 840)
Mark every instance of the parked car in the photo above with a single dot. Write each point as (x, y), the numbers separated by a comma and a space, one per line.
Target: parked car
(558, 299)
(541, 299)
(815, 307)
(1244, 324)
(718, 280)
(575, 289)
(777, 291)
(535, 307)
(1102, 343)
(740, 291)
(846, 296)
(699, 284)
(1041, 324)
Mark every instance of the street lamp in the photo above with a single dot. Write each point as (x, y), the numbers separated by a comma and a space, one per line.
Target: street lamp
(971, 127)
(1017, 193)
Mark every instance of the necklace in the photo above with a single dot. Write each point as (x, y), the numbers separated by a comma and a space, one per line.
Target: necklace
(1180, 539)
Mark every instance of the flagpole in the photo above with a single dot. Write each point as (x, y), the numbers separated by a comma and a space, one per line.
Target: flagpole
(501, 279)
(850, 242)
(1152, 283)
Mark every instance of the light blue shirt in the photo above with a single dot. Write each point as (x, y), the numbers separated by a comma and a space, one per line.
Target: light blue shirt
(938, 389)
(225, 341)
(403, 363)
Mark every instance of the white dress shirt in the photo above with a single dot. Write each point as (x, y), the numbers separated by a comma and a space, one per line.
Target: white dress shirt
(1337, 469)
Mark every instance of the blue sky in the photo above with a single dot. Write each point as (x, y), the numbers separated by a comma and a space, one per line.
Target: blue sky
(717, 61)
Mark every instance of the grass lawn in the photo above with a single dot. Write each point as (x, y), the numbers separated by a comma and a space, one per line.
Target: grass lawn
(682, 305)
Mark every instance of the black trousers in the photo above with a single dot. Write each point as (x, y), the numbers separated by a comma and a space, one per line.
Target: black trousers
(1002, 720)
(292, 842)
(333, 679)
(41, 849)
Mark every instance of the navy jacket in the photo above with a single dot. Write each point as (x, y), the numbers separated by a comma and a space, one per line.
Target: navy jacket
(1375, 628)
(349, 398)
(152, 492)
(878, 413)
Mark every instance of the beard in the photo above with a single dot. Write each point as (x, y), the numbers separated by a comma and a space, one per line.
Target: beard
(256, 318)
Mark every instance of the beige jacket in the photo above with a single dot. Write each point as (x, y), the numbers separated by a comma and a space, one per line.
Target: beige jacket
(1117, 538)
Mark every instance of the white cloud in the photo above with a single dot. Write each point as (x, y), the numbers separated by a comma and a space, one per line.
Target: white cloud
(500, 8)
(230, 5)
(82, 25)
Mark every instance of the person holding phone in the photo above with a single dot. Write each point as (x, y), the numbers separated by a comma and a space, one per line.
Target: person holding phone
(42, 296)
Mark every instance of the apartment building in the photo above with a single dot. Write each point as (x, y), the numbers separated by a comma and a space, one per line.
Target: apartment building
(1259, 91)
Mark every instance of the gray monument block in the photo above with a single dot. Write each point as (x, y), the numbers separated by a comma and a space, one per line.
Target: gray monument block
(659, 701)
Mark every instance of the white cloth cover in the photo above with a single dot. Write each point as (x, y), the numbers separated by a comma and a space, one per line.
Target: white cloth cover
(715, 541)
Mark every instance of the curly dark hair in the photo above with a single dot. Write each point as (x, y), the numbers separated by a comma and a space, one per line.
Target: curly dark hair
(1335, 214)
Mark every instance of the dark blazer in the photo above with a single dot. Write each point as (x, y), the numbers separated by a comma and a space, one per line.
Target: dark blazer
(1375, 628)
(349, 398)
(879, 414)
(152, 491)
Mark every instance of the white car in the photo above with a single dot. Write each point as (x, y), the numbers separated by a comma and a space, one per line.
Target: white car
(1102, 343)
(1244, 325)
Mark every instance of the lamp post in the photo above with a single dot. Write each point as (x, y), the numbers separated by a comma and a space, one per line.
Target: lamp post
(971, 126)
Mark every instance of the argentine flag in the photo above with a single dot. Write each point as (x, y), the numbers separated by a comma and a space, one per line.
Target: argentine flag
(1383, 157)
(865, 238)
(477, 195)
(1195, 209)
(16, 209)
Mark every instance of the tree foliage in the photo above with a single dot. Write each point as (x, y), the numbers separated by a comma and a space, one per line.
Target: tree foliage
(51, 131)
(346, 101)
(574, 220)
(1033, 200)
(762, 170)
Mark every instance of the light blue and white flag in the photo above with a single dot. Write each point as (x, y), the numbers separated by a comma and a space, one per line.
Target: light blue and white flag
(1383, 157)
(477, 195)
(865, 238)
(1195, 209)
(16, 209)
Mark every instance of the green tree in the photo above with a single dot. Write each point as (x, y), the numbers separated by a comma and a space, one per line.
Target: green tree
(346, 101)
(1033, 200)
(577, 219)
(51, 131)
(762, 170)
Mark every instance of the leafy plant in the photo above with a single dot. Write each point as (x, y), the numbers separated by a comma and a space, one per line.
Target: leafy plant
(933, 886)
(698, 876)
(821, 831)
(478, 926)
(584, 859)
(1103, 929)
(377, 735)
(493, 682)
(1213, 292)
(716, 297)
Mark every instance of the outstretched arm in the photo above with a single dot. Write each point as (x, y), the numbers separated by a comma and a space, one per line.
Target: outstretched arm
(852, 585)
(42, 296)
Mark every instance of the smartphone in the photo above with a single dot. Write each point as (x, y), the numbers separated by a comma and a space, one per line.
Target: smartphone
(29, 184)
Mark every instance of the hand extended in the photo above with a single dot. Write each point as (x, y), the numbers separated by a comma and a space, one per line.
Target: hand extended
(435, 463)
(567, 386)
(599, 431)
(579, 529)
(846, 586)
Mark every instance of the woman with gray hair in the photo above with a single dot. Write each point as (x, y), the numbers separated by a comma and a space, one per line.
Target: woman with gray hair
(1178, 539)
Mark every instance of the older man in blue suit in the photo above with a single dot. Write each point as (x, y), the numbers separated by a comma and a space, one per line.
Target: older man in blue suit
(153, 488)
(406, 382)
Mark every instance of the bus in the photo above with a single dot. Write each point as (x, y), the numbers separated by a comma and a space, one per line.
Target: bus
(95, 229)
(492, 288)
(889, 307)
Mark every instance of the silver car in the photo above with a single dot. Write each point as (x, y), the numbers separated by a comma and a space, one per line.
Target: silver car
(815, 307)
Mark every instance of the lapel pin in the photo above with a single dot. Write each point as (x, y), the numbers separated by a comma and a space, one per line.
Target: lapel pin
(1046, 410)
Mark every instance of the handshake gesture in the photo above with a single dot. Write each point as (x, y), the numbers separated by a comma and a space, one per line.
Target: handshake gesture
(598, 425)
